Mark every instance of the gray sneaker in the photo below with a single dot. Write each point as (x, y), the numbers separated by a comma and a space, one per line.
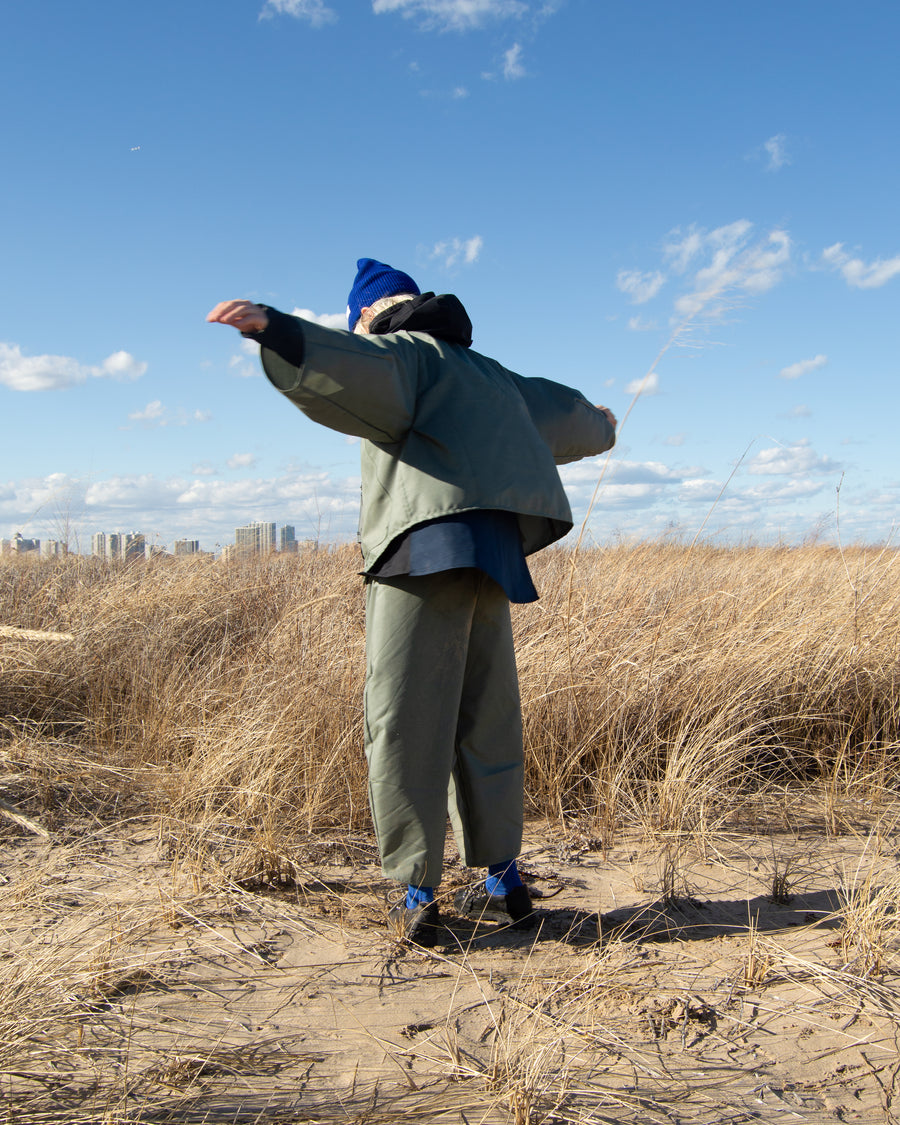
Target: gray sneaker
(419, 925)
(516, 908)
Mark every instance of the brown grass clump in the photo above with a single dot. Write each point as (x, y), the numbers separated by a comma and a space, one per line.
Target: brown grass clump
(670, 684)
(661, 685)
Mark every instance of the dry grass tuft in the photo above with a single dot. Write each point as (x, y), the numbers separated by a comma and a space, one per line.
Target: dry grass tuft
(869, 941)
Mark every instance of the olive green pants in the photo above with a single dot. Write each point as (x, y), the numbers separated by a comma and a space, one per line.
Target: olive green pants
(442, 721)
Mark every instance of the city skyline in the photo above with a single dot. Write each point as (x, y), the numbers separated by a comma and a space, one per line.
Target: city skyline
(687, 212)
(258, 537)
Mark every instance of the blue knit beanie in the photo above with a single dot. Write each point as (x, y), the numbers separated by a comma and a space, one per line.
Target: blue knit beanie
(375, 280)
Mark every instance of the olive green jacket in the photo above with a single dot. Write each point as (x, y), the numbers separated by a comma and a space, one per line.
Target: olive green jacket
(444, 430)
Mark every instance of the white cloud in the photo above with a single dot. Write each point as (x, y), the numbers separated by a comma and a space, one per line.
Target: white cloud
(203, 469)
(637, 324)
(315, 11)
(803, 367)
(682, 251)
(857, 273)
(155, 414)
(169, 508)
(256, 491)
(456, 251)
(624, 473)
(57, 372)
(144, 490)
(733, 264)
(21, 499)
(120, 365)
(786, 494)
(647, 385)
(768, 491)
(699, 491)
(241, 461)
(796, 460)
(452, 15)
(626, 484)
(328, 320)
(209, 509)
(246, 364)
(717, 266)
(754, 268)
(632, 472)
(640, 287)
(512, 63)
(675, 439)
(455, 94)
(777, 152)
(151, 412)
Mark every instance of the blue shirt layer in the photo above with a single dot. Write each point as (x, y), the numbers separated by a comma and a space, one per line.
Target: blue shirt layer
(487, 540)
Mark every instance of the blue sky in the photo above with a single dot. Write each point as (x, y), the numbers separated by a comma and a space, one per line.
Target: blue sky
(688, 211)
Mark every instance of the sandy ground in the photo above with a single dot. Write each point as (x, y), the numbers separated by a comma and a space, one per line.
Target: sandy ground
(134, 988)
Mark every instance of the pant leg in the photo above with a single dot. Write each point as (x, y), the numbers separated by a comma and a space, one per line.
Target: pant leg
(486, 790)
(417, 640)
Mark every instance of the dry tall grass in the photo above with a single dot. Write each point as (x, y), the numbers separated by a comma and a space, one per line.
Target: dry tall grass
(660, 684)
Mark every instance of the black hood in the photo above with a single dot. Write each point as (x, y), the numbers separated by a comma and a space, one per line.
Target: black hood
(443, 317)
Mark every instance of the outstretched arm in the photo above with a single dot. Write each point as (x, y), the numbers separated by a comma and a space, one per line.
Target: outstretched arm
(568, 423)
(354, 384)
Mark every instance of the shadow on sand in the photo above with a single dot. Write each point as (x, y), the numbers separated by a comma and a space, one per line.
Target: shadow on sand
(685, 919)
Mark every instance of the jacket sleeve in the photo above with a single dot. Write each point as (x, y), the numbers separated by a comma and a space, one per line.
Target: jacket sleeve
(571, 426)
(364, 386)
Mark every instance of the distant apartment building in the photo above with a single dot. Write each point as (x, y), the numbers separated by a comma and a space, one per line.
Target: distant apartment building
(134, 547)
(53, 548)
(117, 545)
(187, 546)
(258, 538)
(19, 545)
(287, 539)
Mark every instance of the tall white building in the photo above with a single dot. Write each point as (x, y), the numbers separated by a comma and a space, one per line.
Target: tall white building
(187, 546)
(287, 539)
(118, 545)
(256, 537)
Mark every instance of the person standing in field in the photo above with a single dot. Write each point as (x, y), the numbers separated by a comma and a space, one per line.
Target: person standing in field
(459, 485)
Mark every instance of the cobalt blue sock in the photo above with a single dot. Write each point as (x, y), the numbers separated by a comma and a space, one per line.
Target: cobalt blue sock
(417, 896)
(502, 877)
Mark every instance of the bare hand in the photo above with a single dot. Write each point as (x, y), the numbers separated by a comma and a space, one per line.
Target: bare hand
(609, 414)
(242, 315)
